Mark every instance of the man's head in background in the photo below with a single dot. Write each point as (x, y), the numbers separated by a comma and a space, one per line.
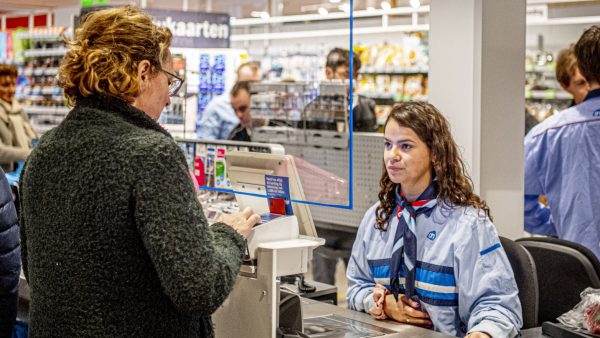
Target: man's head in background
(249, 71)
(568, 75)
(240, 102)
(337, 66)
(587, 52)
(8, 80)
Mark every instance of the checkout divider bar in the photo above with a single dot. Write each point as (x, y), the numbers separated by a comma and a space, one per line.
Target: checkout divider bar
(228, 191)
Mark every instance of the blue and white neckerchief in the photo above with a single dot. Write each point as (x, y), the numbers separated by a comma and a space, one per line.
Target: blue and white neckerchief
(405, 241)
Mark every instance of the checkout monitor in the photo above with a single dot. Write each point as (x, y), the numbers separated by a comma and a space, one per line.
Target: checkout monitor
(247, 173)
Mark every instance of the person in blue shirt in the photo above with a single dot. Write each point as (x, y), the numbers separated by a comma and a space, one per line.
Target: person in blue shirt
(428, 253)
(219, 118)
(562, 158)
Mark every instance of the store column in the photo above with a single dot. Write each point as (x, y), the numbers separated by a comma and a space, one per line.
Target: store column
(476, 78)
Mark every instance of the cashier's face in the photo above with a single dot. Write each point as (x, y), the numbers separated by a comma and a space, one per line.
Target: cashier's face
(7, 88)
(408, 160)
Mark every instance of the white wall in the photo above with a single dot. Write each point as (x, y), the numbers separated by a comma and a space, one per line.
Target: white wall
(476, 80)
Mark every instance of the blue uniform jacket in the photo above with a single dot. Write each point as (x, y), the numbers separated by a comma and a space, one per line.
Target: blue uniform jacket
(562, 161)
(218, 119)
(463, 277)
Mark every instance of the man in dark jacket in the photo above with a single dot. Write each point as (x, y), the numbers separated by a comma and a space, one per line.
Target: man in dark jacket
(10, 259)
(337, 67)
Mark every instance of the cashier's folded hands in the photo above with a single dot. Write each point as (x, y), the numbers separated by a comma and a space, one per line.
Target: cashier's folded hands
(404, 310)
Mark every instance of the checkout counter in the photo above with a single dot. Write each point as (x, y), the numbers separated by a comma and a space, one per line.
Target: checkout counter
(282, 245)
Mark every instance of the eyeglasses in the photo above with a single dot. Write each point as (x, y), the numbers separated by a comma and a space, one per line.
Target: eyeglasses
(175, 83)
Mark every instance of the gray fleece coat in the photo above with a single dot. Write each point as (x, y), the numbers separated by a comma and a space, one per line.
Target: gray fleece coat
(114, 241)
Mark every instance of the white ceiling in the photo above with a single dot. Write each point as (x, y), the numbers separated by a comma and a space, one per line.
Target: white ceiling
(237, 8)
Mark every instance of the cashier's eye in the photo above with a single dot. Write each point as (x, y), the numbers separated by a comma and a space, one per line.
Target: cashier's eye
(405, 146)
(387, 145)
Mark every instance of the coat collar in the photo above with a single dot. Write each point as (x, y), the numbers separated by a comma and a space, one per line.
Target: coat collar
(119, 107)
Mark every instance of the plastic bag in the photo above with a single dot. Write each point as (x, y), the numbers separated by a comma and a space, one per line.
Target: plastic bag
(586, 314)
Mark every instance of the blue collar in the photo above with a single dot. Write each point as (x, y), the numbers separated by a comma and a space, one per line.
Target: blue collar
(592, 94)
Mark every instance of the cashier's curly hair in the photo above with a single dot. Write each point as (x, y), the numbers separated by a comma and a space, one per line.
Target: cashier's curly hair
(455, 187)
(106, 50)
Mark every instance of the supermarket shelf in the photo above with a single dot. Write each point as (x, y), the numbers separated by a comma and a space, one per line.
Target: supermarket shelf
(394, 71)
(54, 35)
(550, 94)
(41, 71)
(40, 110)
(43, 128)
(45, 52)
(390, 99)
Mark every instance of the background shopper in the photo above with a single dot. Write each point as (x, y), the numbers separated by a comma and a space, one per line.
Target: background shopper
(219, 118)
(115, 242)
(569, 77)
(16, 132)
(562, 160)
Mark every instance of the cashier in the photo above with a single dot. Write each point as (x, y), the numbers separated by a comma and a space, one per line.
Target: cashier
(427, 253)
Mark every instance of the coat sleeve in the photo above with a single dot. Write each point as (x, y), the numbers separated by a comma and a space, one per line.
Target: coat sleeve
(10, 154)
(360, 277)
(538, 218)
(488, 293)
(197, 264)
(10, 251)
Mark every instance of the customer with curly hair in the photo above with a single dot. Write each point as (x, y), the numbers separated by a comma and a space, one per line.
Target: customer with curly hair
(427, 253)
(114, 240)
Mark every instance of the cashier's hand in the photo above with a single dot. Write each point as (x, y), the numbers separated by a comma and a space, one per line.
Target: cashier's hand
(405, 311)
(376, 311)
(242, 222)
(478, 335)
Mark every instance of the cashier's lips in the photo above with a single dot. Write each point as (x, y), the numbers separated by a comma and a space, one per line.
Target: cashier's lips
(394, 170)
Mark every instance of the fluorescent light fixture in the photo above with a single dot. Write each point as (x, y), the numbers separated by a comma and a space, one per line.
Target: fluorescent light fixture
(345, 7)
(259, 14)
(386, 6)
(323, 11)
(415, 4)
(335, 1)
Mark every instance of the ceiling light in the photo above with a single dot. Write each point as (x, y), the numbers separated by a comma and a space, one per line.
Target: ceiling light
(323, 11)
(345, 7)
(259, 14)
(415, 4)
(385, 6)
(335, 1)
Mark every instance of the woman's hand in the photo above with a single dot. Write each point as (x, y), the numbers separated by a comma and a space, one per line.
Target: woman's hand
(242, 222)
(376, 311)
(405, 311)
(478, 335)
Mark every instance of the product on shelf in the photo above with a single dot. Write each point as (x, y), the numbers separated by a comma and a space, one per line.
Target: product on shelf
(211, 79)
(543, 93)
(37, 86)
